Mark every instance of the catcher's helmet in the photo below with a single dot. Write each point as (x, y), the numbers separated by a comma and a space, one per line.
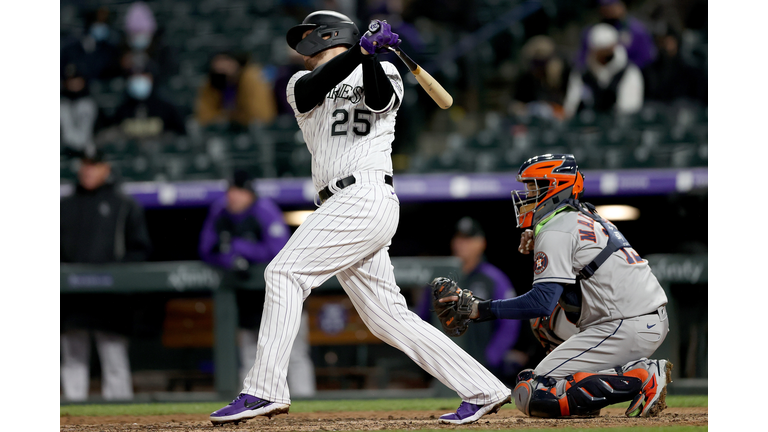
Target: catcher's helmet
(551, 179)
(339, 27)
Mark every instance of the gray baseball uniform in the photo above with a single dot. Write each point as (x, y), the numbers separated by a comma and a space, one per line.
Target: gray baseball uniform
(622, 309)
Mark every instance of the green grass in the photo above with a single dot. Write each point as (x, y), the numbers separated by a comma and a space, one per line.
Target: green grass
(604, 429)
(448, 404)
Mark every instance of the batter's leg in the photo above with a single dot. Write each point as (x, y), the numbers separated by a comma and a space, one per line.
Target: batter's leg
(75, 362)
(371, 287)
(347, 228)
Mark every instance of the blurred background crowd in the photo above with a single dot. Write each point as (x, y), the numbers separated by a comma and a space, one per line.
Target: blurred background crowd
(186, 90)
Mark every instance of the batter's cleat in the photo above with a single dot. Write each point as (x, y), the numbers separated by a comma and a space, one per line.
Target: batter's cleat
(469, 413)
(247, 407)
(651, 401)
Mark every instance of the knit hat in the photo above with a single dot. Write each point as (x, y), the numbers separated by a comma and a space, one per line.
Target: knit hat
(140, 19)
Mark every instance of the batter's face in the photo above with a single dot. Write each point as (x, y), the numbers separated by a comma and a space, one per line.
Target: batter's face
(311, 62)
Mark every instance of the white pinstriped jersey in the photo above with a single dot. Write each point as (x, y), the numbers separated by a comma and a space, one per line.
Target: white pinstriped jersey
(344, 135)
(623, 286)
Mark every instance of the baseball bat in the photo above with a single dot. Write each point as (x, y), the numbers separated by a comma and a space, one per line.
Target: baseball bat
(433, 88)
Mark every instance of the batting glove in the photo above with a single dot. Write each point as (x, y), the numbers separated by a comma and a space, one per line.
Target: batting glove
(378, 37)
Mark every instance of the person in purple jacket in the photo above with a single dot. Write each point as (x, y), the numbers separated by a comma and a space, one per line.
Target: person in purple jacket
(489, 344)
(242, 229)
(633, 34)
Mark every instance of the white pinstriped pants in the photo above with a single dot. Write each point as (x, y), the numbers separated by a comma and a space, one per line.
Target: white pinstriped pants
(349, 236)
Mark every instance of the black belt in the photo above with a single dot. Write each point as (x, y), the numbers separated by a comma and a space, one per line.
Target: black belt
(326, 193)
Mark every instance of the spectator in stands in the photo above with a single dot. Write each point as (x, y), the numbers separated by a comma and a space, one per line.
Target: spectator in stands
(244, 229)
(78, 111)
(540, 89)
(633, 34)
(96, 51)
(610, 82)
(669, 77)
(144, 112)
(488, 342)
(143, 43)
(99, 225)
(235, 93)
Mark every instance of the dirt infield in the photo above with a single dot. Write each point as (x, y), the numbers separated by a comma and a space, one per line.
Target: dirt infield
(508, 418)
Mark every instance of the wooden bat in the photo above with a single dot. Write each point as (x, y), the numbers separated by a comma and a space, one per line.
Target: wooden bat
(438, 94)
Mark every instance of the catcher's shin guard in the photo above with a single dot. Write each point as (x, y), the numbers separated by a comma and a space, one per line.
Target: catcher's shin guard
(585, 394)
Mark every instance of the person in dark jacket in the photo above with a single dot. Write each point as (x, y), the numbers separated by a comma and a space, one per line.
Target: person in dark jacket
(244, 229)
(99, 225)
(670, 78)
(144, 112)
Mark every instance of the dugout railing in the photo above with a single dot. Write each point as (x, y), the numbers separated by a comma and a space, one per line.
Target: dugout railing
(685, 345)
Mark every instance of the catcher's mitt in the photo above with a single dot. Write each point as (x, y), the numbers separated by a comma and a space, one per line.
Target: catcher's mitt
(454, 315)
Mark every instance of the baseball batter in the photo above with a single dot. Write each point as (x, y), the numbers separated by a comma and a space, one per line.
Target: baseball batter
(587, 271)
(345, 104)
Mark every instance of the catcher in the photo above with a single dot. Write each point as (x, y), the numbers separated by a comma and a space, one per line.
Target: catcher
(586, 272)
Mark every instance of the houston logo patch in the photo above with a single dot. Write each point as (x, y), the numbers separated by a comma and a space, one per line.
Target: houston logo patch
(540, 262)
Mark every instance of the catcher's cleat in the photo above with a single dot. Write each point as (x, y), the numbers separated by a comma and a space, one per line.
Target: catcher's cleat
(247, 407)
(469, 413)
(651, 401)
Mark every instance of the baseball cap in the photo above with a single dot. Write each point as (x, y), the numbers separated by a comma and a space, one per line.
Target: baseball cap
(241, 179)
(469, 227)
(92, 154)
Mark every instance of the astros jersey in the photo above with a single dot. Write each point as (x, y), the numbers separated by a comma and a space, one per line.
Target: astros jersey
(344, 135)
(623, 286)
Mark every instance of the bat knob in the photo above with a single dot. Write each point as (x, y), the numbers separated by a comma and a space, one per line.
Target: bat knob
(374, 26)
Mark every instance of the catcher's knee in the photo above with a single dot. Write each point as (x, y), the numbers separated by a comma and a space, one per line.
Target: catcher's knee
(582, 394)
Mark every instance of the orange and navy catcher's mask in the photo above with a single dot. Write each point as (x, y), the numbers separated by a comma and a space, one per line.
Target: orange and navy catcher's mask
(551, 181)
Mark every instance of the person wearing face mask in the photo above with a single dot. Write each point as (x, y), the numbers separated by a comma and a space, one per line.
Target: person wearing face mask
(78, 111)
(144, 113)
(96, 51)
(633, 34)
(143, 43)
(610, 82)
(235, 93)
(540, 89)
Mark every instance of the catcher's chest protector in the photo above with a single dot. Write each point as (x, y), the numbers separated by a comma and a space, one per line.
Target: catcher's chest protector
(570, 300)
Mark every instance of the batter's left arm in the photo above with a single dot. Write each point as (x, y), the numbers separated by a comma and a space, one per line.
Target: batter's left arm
(379, 93)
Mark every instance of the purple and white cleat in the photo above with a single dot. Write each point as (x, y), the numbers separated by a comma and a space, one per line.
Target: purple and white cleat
(247, 407)
(469, 413)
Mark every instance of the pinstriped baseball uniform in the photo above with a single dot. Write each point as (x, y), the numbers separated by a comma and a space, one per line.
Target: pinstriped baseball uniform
(617, 323)
(349, 237)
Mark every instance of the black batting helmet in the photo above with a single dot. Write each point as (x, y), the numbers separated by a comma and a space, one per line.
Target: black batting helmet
(339, 27)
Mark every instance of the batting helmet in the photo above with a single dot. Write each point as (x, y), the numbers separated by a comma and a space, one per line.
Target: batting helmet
(339, 27)
(551, 180)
